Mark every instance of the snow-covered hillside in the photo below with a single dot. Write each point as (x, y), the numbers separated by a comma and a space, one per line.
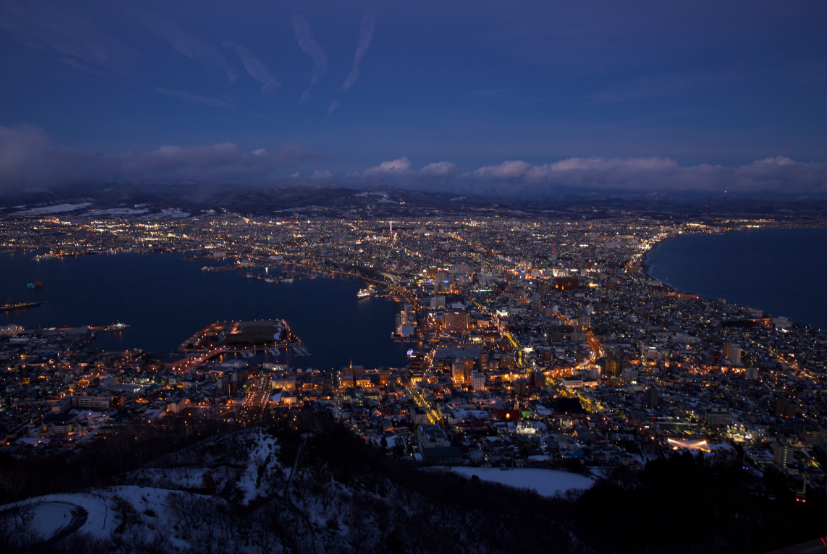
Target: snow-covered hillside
(249, 491)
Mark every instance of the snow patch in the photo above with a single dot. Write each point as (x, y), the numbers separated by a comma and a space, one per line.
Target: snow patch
(545, 481)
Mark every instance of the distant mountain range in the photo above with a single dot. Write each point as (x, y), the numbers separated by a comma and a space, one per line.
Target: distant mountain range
(379, 200)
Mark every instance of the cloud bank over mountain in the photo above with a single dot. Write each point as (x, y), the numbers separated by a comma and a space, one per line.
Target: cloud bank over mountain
(29, 158)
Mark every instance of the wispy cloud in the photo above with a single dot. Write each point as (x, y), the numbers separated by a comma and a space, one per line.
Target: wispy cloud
(255, 68)
(333, 107)
(365, 37)
(188, 45)
(203, 100)
(654, 86)
(78, 43)
(310, 47)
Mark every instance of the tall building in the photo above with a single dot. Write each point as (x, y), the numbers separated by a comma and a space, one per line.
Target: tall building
(458, 371)
(483, 359)
(732, 352)
(536, 300)
(781, 454)
(438, 302)
(613, 367)
(478, 381)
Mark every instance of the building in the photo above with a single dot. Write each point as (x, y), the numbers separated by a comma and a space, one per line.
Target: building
(458, 371)
(613, 367)
(785, 409)
(630, 374)
(176, 406)
(483, 359)
(781, 454)
(716, 417)
(538, 380)
(456, 321)
(91, 402)
(478, 381)
(566, 283)
(572, 382)
(431, 436)
(732, 352)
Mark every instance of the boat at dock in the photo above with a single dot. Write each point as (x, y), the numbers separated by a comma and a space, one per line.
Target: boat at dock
(115, 327)
(34, 285)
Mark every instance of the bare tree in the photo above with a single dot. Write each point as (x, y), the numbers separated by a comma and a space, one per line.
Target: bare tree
(13, 480)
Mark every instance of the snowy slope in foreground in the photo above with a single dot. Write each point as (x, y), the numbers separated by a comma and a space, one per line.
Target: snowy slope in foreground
(545, 481)
(100, 514)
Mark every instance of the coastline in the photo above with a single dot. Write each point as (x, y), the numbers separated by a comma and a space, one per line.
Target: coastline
(646, 268)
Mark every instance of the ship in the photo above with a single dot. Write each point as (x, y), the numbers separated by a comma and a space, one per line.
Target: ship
(248, 274)
(363, 293)
(34, 285)
(9, 306)
(287, 280)
(117, 327)
(269, 280)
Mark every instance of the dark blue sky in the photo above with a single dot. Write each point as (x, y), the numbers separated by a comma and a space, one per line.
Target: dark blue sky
(533, 96)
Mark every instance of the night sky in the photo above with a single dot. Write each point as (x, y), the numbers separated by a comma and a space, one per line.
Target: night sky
(470, 96)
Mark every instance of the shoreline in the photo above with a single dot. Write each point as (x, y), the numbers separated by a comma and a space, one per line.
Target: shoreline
(646, 268)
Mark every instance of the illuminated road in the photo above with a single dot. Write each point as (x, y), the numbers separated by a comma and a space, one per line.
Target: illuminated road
(259, 397)
(419, 398)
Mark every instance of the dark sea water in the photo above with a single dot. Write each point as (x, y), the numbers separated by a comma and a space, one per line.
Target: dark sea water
(781, 271)
(166, 299)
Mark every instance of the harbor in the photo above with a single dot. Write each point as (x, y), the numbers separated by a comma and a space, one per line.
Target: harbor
(333, 324)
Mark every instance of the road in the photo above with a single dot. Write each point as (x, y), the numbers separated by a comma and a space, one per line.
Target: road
(259, 397)
(419, 398)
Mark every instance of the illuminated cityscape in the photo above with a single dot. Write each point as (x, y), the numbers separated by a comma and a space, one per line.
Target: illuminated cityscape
(413, 277)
